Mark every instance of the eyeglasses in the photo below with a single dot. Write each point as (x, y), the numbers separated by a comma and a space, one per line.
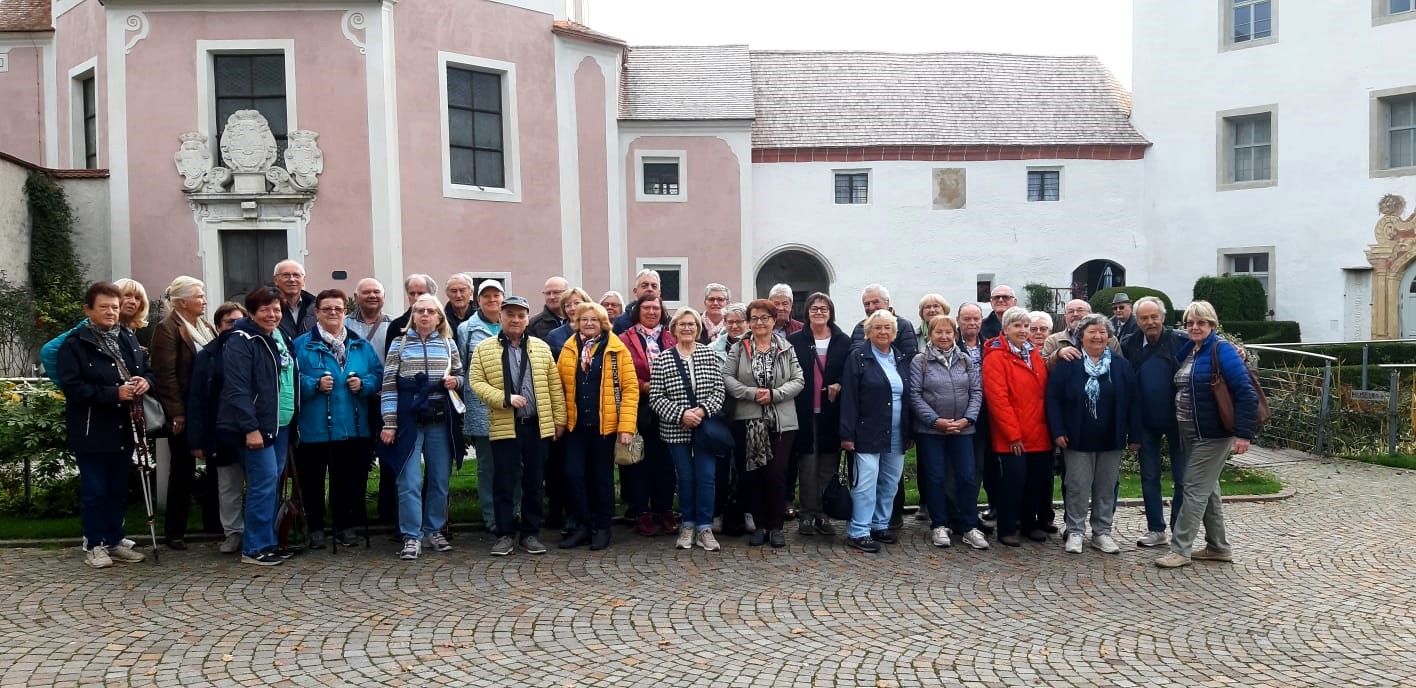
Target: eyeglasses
(819, 309)
(332, 309)
(763, 318)
(291, 275)
(715, 299)
(1002, 297)
(1196, 323)
(425, 311)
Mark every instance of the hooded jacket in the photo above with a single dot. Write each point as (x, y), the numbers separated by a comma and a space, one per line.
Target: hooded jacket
(250, 394)
(95, 420)
(1016, 397)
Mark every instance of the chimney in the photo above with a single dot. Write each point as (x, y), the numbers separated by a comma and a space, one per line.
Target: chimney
(576, 9)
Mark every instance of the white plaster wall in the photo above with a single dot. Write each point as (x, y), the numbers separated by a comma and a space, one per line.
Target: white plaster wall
(1327, 60)
(899, 240)
(89, 200)
(14, 223)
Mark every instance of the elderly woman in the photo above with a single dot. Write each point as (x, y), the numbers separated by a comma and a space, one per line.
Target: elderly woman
(602, 403)
(874, 426)
(1015, 384)
(930, 305)
(1206, 437)
(1039, 328)
(339, 373)
(103, 373)
(257, 405)
(135, 305)
(728, 500)
(647, 487)
(1090, 413)
(613, 303)
(734, 329)
(175, 343)
(570, 301)
(421, 418)
(685, 390)
(763, 377)
(945, 395)
(824, 349)
(203, 398)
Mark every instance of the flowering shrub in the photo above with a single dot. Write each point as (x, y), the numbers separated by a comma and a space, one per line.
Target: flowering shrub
(32, 427)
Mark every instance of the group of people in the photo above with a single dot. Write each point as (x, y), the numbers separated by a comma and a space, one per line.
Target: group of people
(738, 410)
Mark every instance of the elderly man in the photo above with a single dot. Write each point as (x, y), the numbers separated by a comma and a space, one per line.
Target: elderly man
(552, 316)
(646, 285)
(414, 285)
(716, 297)
(873, 298)
(1001, 299)
(368, 319)
(459, 300)
(484, 323)
(781, 297)
(1152, 353)
(1064, 343)
(297, 306)
(1122, 324)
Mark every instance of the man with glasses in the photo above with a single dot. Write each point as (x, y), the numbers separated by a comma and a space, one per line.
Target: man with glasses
(646, 286)
(297, 306)
(1122, 324)
(715, 298)
(1001, 299)
(552, 316)
(414, 285)
(1064, 344)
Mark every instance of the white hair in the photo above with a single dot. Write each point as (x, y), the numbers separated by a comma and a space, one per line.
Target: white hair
(1016, 314)
(427, 280)
(459, 276)
(877, 288)
(714, 286)
(780, 290)
(646, 271)
(882, 315)
(1151, 299)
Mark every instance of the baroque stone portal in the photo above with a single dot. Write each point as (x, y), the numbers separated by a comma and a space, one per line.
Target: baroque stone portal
(249, 150)
(1390, 256)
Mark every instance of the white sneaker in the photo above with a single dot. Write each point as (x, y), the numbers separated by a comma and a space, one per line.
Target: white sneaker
(126, 554)
(940, 537)
(438, 542)
(685, 538)
(411, 548)
(98, 557)
(975, 539)
(1105, 544)
(748, 524)
(1074, 543)
(1153, 539)
(707, 541)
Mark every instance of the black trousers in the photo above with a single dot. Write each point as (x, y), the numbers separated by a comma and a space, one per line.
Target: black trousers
(1027, 480)
(347, 467)
(181, 486)
(764, 486)
(590, 477)
(522, 457)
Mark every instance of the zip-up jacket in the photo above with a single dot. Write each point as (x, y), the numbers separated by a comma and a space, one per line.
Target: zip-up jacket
(1016, 398)
(1206, 421)
(95, 420)
(1155, 366)
(250, 394)
(937, 390)
(338, 414)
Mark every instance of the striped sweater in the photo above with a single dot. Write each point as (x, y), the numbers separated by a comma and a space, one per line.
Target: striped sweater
(407, 356)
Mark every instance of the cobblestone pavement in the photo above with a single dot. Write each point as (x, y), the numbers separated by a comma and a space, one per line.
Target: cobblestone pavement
(1322, 593)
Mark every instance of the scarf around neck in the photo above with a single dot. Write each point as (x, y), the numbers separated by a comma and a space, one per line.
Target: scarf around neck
(336, 344)
(947, 356)
(1094, 372)
(651, 340)
(587, 351)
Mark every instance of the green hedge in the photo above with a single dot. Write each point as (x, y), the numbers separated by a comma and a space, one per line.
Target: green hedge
(1264, 331)
(1101, 301)
(1348, 355)
(1234, 298)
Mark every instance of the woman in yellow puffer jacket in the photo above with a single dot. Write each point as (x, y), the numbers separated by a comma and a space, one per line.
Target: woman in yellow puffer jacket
(593, 364)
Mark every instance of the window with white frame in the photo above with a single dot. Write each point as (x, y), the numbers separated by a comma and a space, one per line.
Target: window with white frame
(83, 115)
(673, 274)
(479, 128)
(1400, 6)
(478, 277)
(1251, 20)
(88, 96)
(1251, 261)
(852, 187)
(251, 81)
(1249, 148)
(1400, 131)
(661, 176)
(1044, 185)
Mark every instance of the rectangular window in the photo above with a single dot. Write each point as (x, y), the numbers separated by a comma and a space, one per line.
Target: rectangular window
(251, 82)
(1044, 185)
(1253, 19)
(1254, 265)
(1399, 6)
(90, 113)
(1401, 132)
(852, 187)
(673, 275)
(1251, 148)
(476, 150)
(661, 177)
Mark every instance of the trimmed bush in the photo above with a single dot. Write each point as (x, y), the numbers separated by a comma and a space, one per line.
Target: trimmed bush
(1101, 301)
(1264, 331)
(1039, 297)
(1234, 298)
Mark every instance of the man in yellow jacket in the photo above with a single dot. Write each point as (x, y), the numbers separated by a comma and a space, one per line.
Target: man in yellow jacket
(515, 375)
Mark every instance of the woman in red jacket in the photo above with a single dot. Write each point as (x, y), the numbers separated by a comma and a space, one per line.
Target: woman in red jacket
(1014, 385)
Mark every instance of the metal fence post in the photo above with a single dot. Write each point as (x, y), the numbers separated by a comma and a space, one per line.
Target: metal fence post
(1324, 408)
(1392, 404)
(1364, 366)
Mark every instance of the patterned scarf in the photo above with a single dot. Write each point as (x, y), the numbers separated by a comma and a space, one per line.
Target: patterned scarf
(108, 339)
(336, 344)
(759, 437)
(651, 340)
(1024, 352)
(1094, 372)
(587, 351)
(946, 355)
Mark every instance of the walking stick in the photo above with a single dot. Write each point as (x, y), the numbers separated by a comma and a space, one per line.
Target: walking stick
(329, 458)
(144, 459)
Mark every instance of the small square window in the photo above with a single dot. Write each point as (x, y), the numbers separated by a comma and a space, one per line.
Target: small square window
(1254, 265)
(1251, 151)
(1401, 132)
(673, 274)
(661, 178)
(1253, 19)
(1044, 185)
(852, 188)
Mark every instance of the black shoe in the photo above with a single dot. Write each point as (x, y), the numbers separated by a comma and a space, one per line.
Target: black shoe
(317, 539)
(759, 536)
(884, 536)
(824, 527)
(575, 539)
(1011, 541)
(283, 553)
(897, 523)
(599, 539)
(346, 538)
(1049, 529)
(1037, 535)
(864, 544)
(777, 538)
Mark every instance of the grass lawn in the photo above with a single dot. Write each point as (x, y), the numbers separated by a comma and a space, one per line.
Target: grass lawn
(1236, 481)
(1406, 461)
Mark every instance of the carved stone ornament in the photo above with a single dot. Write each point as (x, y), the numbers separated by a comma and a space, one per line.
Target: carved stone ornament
(1393, 252)
(304, 160)
(247, 144)
(193, 161)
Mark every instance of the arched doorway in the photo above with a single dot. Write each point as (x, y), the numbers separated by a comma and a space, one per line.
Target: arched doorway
(1095, 275)
(805, 270)
(1408, 302)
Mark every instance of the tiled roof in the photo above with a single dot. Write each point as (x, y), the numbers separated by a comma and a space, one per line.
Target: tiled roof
(825, 99)
(25, 15)
(687, 83)
(571, 29)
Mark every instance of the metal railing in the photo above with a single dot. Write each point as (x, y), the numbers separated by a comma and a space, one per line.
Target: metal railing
(1393, 407)
(1299, 400)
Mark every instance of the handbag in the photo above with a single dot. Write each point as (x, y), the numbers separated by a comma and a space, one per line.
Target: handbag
(154, 416)
(1224, 400)
(632, 453)
(713, 436)
(836, 500)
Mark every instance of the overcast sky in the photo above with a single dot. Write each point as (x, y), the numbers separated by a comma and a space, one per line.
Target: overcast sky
(1039, 27)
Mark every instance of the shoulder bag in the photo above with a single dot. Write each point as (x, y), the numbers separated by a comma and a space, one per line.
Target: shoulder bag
(625, 454)
(712, 436)
(836, 500)
(1224, 400)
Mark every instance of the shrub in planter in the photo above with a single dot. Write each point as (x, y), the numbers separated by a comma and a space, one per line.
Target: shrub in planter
(1239, 297)
(1101, 301)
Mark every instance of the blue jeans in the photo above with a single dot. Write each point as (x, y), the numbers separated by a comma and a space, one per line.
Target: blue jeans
(103, 496)
(421, 511)
(877, 476)
(696, 479)
(263, 468)
(1150, 476)
(939, 457)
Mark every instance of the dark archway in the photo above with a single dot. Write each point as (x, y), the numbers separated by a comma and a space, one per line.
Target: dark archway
(804, 271)
(1095, 275)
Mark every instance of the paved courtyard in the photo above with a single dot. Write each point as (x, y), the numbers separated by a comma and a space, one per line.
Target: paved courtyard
(1323, 592)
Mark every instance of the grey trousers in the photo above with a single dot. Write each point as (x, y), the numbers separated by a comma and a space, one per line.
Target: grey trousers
(1090, 475)
(1201, 489)
(230, 488)
(815, 471)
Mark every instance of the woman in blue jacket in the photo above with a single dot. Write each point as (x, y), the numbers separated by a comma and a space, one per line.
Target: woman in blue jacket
(339, 373)
(1091, 410)
(1207, 441)
(874, 425)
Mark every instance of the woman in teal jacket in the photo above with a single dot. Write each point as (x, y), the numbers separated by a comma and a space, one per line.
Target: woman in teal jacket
(339, 373)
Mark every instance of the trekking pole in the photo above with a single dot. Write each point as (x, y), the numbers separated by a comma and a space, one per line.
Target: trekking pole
(143, 459)
(329, 456)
